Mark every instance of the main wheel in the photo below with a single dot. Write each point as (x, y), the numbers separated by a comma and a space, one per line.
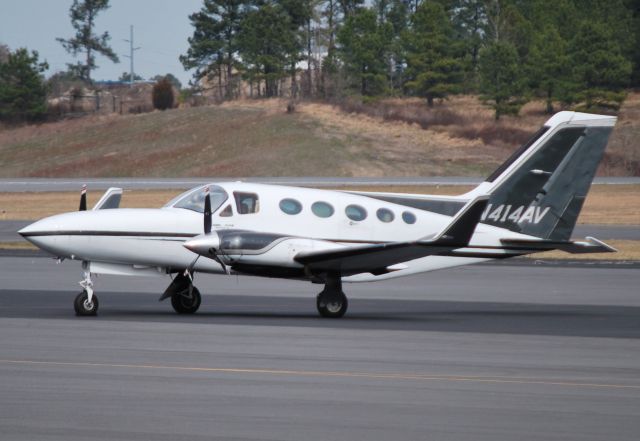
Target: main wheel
(185, 303)
(82, 305)
(334, 307)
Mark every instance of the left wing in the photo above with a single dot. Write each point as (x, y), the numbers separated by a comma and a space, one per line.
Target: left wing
(376, 258)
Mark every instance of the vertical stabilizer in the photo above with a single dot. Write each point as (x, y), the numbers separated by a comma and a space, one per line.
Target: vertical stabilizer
(540, 189)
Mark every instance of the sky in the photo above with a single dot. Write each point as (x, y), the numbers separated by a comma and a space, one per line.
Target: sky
(161, 29)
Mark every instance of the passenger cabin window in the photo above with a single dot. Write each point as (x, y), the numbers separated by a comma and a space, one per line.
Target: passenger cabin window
(355, 213)
(409, 217)
(385, 215)
(227, 212)
(322, 209)
(290, 206)
(194, 199)
(246, 203)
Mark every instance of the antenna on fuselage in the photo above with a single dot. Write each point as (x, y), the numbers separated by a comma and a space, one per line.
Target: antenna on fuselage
(83, 198)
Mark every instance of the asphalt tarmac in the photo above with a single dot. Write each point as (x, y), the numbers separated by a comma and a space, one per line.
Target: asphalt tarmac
(67, 184)
(488, 352)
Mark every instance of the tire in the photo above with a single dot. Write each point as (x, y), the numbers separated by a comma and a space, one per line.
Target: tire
(183, 304)
(83, 307)
(332, 307)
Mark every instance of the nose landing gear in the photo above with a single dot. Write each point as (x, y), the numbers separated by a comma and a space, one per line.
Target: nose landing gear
(86, 303)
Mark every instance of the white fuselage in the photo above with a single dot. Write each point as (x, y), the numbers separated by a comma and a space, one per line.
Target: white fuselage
(132, 241)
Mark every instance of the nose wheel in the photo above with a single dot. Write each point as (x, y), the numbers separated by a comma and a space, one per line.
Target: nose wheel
(86, 303)
(84, 306)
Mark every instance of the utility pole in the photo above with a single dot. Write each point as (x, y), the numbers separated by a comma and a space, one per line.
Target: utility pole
(130, 56)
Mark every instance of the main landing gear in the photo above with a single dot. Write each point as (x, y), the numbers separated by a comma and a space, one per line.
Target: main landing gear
(185, 297)
(331, 302)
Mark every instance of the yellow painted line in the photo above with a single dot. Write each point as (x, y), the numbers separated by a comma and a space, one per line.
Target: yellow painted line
(338, 374)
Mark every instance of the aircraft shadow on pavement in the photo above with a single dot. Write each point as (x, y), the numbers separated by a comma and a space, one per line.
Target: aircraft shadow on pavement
(408, 315)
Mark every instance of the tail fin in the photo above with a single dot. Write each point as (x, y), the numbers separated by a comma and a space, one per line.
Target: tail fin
(540, 189)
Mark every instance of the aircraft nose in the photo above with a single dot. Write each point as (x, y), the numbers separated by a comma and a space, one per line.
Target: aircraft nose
(205, 244)
(43, 226)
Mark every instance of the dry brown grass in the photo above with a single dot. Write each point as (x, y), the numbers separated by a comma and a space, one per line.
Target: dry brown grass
(606, 204)
(622, 157)
(32, 206)
(392, 137)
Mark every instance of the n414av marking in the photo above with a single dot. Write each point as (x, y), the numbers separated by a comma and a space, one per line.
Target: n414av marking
(503, 213)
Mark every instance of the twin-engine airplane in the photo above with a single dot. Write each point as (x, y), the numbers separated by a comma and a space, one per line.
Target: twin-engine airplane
(529, 204)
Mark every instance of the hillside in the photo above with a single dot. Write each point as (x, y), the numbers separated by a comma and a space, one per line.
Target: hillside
(258, 138)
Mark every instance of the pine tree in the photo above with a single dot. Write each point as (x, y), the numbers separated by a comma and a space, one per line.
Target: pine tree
(22, 89)
(433, 69)
(501, 81)
(548, 66)
(469, 20)
(299, 14)
(600, 71)
(330, 17)
(83, 14)
(396, 14)
(265, 45)
(214, 44)
(364, 44)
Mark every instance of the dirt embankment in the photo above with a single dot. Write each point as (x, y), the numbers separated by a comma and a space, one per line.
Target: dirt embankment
(258, 138)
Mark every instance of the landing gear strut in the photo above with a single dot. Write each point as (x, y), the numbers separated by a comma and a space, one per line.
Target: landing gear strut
(185, 298)
(86, 303)
(331, 302)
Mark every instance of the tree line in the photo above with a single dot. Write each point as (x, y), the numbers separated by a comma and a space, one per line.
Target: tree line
(574, 52)
(579, 53)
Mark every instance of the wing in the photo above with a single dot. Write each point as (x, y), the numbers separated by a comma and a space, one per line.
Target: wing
(376, 258)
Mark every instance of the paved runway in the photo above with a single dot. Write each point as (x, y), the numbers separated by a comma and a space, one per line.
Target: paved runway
(67, 184)
(491, 352)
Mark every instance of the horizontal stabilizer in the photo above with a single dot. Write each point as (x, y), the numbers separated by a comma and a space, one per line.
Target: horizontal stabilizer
(589, 245)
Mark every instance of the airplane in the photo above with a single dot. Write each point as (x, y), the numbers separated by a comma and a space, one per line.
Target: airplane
(530, 203)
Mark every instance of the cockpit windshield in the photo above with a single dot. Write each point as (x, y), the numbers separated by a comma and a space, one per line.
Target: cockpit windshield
(194, 200)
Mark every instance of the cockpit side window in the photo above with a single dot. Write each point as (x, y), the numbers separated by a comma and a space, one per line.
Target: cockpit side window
(227, 212)
(246, 203)
(194, 200)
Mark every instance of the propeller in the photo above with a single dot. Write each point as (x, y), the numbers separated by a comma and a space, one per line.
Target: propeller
(207, 211)
(83, 198)
(207, 244)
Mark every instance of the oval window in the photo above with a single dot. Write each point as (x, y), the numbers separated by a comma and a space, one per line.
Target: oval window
(409, 217)
(322, 209)
(385, 215)
(355, 212)
(290, 206)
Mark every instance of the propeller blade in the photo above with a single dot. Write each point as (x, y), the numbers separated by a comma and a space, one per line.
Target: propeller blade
(207, 212)
(83, 198)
